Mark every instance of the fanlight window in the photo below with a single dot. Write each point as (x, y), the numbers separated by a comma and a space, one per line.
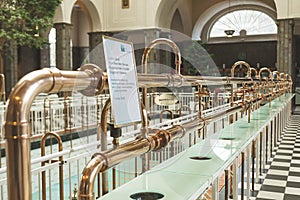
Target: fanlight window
(243, 22)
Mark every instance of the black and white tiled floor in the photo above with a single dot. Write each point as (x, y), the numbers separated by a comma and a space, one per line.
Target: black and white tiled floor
(282, 180)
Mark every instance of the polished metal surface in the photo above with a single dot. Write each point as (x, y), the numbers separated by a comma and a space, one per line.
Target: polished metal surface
(241, 63)
(90, 80)
(158, 41)
(17, 124)
(61, 171)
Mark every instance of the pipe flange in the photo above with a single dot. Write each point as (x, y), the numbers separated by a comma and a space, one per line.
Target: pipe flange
(182, 128)
(97, 83)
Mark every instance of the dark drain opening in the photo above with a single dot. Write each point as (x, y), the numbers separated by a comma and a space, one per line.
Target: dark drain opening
(227, 138)
(146, 196)
(200, 158)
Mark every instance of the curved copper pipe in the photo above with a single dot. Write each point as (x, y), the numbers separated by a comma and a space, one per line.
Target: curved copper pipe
(103, 161)
(197, 104)
(145, 58)
(103, 137)
(238, 63)
(184, 106)
(61, 174)
(17, 124)
(157, 42)
(277, 73)
(282, 75)
(265, 69)
(255, 71)
(163, 111)
(107, 159)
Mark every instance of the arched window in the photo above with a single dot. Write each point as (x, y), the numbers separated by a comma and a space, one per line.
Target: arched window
(52, 42)
(242, 23)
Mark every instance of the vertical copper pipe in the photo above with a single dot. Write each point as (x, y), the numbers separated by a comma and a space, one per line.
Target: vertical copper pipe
(145, 60)
(61, 174)
(103, 133)
(226, 184)
(163, 111)
(114, 179)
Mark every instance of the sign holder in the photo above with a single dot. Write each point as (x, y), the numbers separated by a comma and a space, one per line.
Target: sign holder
(122, 81)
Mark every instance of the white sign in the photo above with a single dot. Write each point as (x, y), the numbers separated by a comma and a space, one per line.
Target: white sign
(122, 80)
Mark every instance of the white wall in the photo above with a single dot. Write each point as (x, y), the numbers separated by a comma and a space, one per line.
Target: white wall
(287, 9)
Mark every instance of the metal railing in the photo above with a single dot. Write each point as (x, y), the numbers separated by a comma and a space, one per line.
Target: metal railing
(68, 116)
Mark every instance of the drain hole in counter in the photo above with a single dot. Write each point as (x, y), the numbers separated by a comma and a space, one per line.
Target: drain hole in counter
(200, 158)
(146, 196)
(227, 138)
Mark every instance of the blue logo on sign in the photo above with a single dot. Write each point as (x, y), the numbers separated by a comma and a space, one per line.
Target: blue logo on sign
(122, 48)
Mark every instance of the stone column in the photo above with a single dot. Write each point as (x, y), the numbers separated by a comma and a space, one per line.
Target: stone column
(96, 55)
(45, 55)
(63, 45)
(10, 65)
(285, 46)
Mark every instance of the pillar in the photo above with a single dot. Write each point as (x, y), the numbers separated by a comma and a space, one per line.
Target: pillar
(285, 46)
(63, 45)
(10, 66)
(96, 55)
(45, 55)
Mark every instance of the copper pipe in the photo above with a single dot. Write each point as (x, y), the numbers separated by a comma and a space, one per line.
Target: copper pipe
(255, 71)
(197, 104)
(282, 75)
(184, 106)
(17, 124)
(175, 80)
(265, 69)
(104, 160)
(278, 75)
(103, 137)
(61, 173)
(145, 59)
(158, 41)
(241, 63)
(163, 111)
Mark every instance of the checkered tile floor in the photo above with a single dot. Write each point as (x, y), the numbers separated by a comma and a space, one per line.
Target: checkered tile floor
(282, 180)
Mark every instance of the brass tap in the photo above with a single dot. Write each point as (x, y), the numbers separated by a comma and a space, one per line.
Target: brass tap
(241, 63)
(255, 71)
(162, 41)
